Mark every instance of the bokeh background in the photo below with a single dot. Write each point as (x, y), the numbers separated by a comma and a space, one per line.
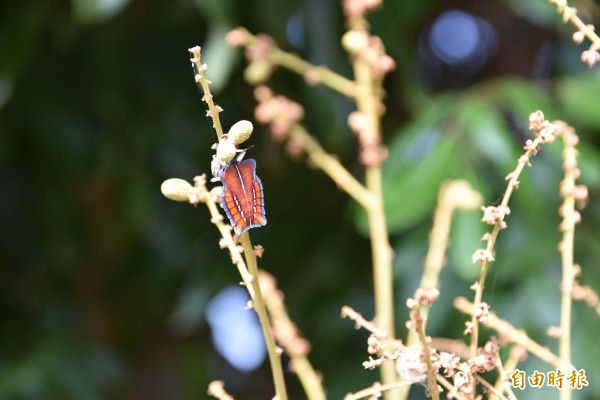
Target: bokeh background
(110, 291)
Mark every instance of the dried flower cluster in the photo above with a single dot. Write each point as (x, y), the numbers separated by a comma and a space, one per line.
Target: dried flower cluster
(285, 332)
(279, 112)
(494, 215)
(569, 14)
(372, 152)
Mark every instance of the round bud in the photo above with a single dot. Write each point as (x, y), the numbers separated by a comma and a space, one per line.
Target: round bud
(258, 71)
(355, 41)
(177, 189)
(226, 150)
(240, 131)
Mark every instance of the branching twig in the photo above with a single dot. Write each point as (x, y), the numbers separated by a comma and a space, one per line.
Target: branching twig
(511, 334)
(544, 132)
(569, 14)
(454, 195)
(259, 306)
(180, 190)
(571, 193)
(287, 335)
(262, 46)
(376, 390)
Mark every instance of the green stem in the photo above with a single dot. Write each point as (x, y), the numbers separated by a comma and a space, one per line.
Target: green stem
(367, 103)
(431, 380)
(259, 306)
(566, 250)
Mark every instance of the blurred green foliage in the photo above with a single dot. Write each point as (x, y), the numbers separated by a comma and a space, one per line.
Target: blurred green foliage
(104, 283)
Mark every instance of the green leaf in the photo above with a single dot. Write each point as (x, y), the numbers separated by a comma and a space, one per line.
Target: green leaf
(92, 11)
(522, 97)
(219, 56)
(410, 193)
(421, 157)
(487, 134)
(578, 98)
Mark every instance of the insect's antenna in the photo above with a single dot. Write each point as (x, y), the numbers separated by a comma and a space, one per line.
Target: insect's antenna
(211, 129)
(243, 152)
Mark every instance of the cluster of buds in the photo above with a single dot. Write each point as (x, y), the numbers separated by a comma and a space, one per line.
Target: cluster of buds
(590, 56)
(369, 48)
(258, 49)
(495, 215)
(568, 186)
(371, 150)
(278, 111)
(544, 130)
(227, 147)
(177, 189)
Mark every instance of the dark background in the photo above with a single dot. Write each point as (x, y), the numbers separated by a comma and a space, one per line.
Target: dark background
(104, 283)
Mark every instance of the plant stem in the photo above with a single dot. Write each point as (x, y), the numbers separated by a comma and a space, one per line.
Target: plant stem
(566, 247)
(367, 103)
(431, 380)
(331, 166)
(382, 271)
(259, 306)
(512, 334)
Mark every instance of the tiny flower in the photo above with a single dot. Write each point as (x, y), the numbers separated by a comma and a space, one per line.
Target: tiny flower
(355, 41)
(468, 328)
(578, 37)
(449, 362)
(493, 215)
(590, 57)
(482, 255)
(312, 76)
(481, 312)
(524, 159)
(533, 147)
(535, 120)
(386, 64)
(259, 250)
(258, 71)
(374, 345)
(426, 297)
(237, 37)
(553, 332)
(568, 13)
(546, 134)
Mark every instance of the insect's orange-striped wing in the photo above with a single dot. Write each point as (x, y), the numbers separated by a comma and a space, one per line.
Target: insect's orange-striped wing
(242, 197)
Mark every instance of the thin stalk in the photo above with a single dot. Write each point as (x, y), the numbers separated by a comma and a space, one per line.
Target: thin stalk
(331, 166)
(566, 247)
(380, 247)
(512, 334)
(431, 380)
(259, 306)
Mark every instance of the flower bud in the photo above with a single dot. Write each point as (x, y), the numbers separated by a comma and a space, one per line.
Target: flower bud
(226, 150)
(240, 132)
(176, 189)
(355, 41)
(258, 71)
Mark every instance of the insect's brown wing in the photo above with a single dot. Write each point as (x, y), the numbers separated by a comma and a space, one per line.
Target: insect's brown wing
(242, 197)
